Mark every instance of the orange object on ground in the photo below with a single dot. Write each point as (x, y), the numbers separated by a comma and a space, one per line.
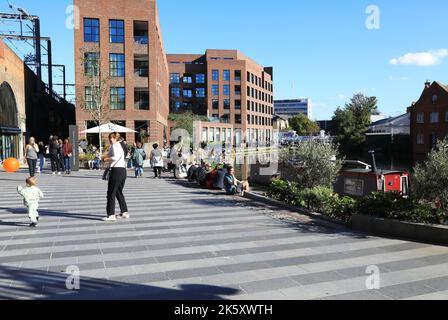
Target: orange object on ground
(11, 165)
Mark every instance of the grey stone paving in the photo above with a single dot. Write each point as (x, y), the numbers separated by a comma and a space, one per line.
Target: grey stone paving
(186, 243)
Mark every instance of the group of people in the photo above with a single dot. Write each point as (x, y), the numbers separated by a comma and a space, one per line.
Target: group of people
(218, 178)
(60, 154)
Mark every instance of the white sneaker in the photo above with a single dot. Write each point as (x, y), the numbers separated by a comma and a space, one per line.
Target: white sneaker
(124, 215)
(59, 173)
(110, 219)
(54, 172)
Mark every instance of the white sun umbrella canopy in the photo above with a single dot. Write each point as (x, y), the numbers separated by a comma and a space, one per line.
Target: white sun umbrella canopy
(109, 128)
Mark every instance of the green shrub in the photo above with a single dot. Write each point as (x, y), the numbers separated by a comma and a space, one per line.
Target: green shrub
(392, 205)
(284, 191)
(318, 198)
(86, 157)
(342, 208)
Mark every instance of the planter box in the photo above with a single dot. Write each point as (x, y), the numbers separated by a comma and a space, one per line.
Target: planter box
(435, 234)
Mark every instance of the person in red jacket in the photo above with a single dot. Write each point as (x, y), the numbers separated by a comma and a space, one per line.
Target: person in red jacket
(67, 151)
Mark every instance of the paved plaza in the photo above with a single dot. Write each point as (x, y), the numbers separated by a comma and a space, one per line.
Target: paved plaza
(186, 243)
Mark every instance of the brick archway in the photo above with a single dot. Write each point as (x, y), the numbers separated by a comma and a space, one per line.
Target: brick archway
(8, 107)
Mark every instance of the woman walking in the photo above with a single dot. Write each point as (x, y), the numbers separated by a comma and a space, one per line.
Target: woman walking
(157, 161)
(67, 151)
(138, 156)
(117, 178)
(41, 157)
(31, 151)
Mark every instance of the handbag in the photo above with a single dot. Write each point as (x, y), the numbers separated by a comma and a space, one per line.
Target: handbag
(106, 173)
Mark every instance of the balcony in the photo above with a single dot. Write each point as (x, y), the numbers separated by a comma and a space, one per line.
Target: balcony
(141, 38)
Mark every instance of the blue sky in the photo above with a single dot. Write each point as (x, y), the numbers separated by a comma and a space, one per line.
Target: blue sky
(320, 49)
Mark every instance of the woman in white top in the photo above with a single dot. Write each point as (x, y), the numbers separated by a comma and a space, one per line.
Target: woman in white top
(117, 178)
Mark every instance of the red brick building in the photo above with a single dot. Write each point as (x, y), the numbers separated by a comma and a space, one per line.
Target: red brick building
(126, 38)
(429, 119)
(233, 91)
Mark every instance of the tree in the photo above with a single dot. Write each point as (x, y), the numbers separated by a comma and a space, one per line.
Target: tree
(185, 121)
(430, 180)
(311, 163)
(351, 122)
(303, 125)
(95, 101)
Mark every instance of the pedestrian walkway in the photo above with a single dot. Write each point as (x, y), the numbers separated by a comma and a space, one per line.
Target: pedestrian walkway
(186, 243)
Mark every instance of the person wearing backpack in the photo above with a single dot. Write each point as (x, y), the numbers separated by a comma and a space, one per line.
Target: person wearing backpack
(138, 157)
(117, 178)
(157, 161)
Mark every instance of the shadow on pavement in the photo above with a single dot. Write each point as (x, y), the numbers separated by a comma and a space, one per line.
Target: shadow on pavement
(51, 213)
(42, 285)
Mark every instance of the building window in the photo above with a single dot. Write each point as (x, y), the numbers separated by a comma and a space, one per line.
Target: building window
(91, 63)
(226, 75)
(91, 97)
(141, 99)
(238, 90)
(215, 104)
(188, 93)
(248, 119)
(225, 119)
(237, 75)
(187, 107)
(175, 78)
(238, 104)
(226, 104)
(248, 105)
(215, 90)
(446, 116)
(434, 117)
(200, 92)
(116, 31)
(420, 117)
(116, 64)
(175, 106)
(91, 30)
(200, 78)
(215, 75)
(226, 90)
(187, 78)
(238, 119)
(420, 139)
(117, 98)
(175, 92)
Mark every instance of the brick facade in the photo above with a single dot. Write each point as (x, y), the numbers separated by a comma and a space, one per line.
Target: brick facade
(152, 80)
(248, 114)
(429, 119)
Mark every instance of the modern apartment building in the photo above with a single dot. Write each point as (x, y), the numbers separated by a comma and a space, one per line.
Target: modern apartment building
(233, 91)
(125, 38)
(429, 119)
(292, 107)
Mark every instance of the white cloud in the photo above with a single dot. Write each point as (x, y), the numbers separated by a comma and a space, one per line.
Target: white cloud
(421, 59)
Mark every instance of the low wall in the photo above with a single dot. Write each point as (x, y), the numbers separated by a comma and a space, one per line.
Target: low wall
(436, 234)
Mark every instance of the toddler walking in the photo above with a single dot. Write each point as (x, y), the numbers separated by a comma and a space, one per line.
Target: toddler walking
(31, 196)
